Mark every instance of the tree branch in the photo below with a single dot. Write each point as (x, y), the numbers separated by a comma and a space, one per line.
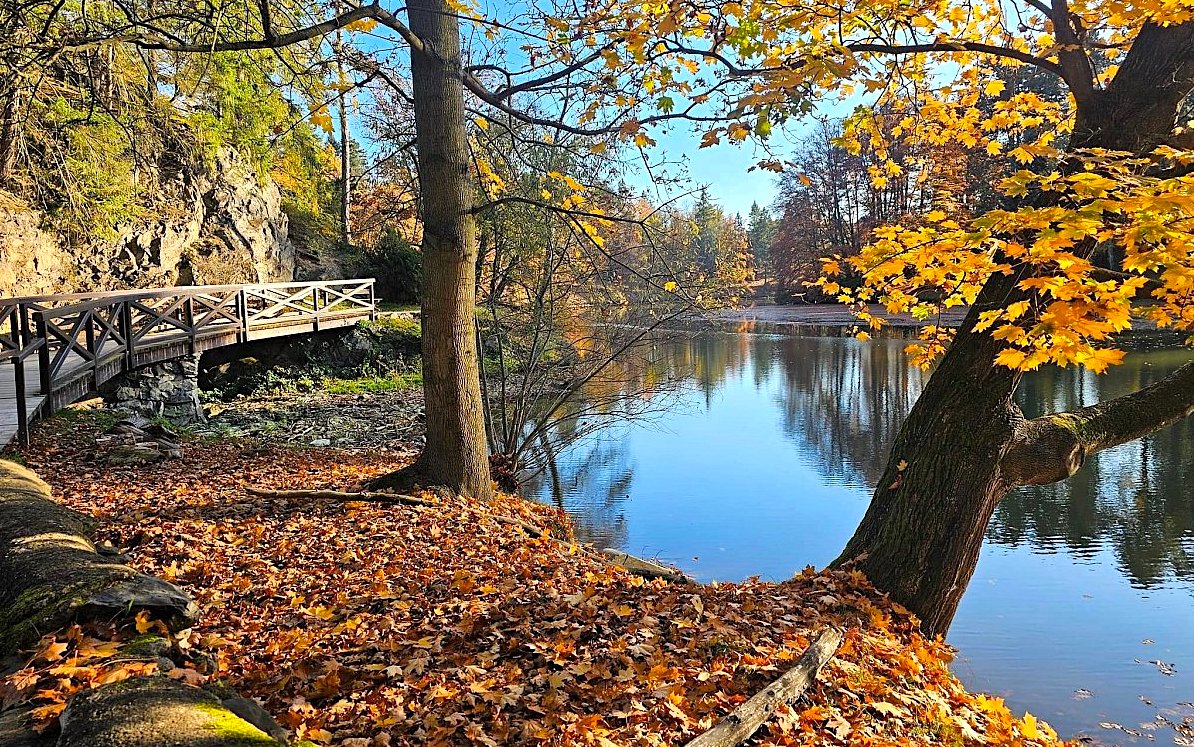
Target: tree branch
(271, 41)
(1053, 447)
(958, 46)
(1075, 65)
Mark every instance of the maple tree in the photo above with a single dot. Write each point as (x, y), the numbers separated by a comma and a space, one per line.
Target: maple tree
(1103, 167)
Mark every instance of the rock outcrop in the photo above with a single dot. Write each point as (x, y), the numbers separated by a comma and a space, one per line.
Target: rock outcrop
(219, 224)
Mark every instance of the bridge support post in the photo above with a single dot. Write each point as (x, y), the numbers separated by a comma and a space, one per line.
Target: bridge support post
(169, 389)
(43, 365)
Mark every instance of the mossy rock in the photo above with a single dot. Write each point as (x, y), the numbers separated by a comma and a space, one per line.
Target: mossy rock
(153, 712)
(50, 571)
(146, 646)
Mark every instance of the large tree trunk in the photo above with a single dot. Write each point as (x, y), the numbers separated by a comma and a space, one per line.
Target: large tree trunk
(455, 455)
(345, 146)
(965, 443)
(921, 535)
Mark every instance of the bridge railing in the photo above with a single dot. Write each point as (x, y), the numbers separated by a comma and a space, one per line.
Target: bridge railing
(80, 333)
(16, 345)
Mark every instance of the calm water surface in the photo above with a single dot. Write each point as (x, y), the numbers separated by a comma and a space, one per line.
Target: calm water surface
(1082, 607)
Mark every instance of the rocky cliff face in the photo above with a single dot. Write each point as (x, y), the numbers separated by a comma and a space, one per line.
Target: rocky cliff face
(212, 227)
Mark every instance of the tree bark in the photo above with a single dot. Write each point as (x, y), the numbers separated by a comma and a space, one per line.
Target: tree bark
(345, 146)
(965, 443)
(455, 455)
(1137, 111)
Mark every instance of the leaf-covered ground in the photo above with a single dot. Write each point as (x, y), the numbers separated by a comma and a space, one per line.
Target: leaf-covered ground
(363, 624)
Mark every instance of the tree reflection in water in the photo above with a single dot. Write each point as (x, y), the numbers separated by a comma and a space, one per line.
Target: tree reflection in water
(840, 401)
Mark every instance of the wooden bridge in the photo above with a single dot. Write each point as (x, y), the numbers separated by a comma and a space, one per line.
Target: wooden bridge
(60, 347)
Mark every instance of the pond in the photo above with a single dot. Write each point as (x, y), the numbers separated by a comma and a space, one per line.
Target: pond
(1082, 606)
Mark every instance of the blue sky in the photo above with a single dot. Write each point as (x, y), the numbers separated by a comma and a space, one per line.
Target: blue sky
(724, 168)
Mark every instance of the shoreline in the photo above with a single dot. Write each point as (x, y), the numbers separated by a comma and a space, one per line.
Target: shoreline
(829, 316)
(837, 320)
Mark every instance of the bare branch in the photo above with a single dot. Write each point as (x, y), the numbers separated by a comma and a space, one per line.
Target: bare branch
(958, 46)
(281, 40)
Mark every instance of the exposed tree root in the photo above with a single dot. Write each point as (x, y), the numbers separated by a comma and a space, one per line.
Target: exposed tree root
(340, 495)
(401, 480)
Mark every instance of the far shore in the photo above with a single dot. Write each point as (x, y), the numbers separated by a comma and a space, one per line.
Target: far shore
(821, 320)
(839, 320)
(832, 315)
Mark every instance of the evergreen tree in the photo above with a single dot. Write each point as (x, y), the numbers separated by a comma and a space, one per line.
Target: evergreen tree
(707, 221)
(760, 234)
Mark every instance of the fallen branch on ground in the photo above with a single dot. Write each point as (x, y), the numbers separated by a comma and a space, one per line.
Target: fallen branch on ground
(645, 568)
(530, 529)
(340, 495)
(746, 719)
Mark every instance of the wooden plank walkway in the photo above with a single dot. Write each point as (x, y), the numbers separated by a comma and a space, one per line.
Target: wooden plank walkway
(55, 349)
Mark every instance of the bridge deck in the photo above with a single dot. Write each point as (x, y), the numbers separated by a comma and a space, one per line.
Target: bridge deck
(54, 349)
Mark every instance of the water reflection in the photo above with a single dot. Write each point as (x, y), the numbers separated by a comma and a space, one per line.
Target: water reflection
(839, 402)
(602, 472)
(843, 399)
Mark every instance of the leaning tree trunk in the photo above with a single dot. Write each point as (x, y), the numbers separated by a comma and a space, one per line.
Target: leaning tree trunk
(921, 535)
(965, 443)
(455, 455)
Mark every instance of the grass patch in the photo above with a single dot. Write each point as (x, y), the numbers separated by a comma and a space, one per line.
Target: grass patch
(102, 419)
(367, 385)
(397, 327)
(401, 307)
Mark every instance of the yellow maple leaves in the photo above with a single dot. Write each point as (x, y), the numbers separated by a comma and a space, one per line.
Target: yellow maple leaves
(1071, 308)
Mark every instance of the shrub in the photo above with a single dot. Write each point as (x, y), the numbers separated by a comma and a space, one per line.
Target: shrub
(398, 267)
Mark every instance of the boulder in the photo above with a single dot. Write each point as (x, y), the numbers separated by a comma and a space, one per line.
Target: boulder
(51, 573)
(154, 712)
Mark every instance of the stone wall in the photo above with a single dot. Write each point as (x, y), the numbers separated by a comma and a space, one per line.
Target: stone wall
(218, 225)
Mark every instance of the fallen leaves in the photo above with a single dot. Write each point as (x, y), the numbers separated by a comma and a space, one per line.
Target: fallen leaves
(82, 658)
(369, 624)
